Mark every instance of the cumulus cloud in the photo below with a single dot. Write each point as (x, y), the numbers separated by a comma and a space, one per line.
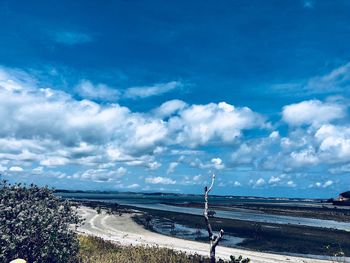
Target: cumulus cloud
(217, 163)
(159, 180)
(199, 124)
(274, 180)
(170, 107)
(258, 183)
(149, 91)
(312, 112)
(304, 157)
(334, 142)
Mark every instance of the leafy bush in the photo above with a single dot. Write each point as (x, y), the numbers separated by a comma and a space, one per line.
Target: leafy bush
(36, 225)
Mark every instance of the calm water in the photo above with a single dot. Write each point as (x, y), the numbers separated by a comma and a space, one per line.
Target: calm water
(155, 202)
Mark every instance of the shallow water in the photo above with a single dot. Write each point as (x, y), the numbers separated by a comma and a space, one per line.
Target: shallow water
(155, 202)
(170, 228)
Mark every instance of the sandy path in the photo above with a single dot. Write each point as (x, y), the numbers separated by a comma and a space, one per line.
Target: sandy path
(124, 230)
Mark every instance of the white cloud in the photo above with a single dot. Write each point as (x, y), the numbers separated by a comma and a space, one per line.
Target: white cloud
(274, 180)
(291, 184)
(336, 80)
(16, 169)
(154, 165)
(172, 167)
(98, 175)
(133, 186)
(304, 157)
(236, 184)
(170, 107)
(159, 180)
(334, 143)
(260, 182)
(274, 135)
(38, 170)
(326, 184)
(217, 162)
(312, 112)
(97, 92)
(199, 124)
(149, 91)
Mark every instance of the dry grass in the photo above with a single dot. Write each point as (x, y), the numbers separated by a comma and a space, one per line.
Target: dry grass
(97, 250)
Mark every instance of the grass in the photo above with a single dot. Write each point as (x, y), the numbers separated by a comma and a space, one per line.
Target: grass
(97, 250)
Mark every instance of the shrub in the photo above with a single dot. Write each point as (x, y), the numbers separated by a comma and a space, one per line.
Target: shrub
(36, 225)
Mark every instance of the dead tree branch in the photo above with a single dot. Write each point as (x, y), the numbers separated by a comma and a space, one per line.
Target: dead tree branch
(214, 240)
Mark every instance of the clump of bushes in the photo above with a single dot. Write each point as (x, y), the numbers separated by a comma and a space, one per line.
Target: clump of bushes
(97, 250)
(36, 225)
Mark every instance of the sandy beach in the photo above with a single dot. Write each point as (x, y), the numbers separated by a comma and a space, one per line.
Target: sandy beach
(124, 230)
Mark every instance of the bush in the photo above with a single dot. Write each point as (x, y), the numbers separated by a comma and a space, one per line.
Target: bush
(36, 225)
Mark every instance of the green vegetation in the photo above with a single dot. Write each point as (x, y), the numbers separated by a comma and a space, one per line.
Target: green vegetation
(36, 225)
(97, 250)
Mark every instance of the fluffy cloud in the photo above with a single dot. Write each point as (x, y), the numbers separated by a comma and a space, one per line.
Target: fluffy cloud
(334, 142)
(217, 163)
(52, 128)
(260, 182)
(170, 107)
(312, 112)
(304, 157)
(199, 124)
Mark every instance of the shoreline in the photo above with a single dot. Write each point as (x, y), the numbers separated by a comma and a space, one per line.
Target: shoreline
(123, 230)
(271, 238)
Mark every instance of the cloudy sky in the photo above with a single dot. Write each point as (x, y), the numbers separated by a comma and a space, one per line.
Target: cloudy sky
(151, 96)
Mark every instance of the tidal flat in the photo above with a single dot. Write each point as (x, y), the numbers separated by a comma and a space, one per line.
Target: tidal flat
(251, 235)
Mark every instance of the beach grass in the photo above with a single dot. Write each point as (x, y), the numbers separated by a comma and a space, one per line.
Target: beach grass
(96, 250)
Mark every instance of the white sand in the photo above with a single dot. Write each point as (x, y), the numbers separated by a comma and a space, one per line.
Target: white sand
(124, 230)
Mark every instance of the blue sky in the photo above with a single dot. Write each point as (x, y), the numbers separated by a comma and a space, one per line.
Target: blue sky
(154, 96)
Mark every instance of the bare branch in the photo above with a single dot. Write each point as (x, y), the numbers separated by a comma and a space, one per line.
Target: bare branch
(214, 240)
(218, 238)
(212, 182)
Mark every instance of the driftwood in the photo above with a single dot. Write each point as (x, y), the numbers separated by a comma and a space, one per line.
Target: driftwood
(214, 240)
